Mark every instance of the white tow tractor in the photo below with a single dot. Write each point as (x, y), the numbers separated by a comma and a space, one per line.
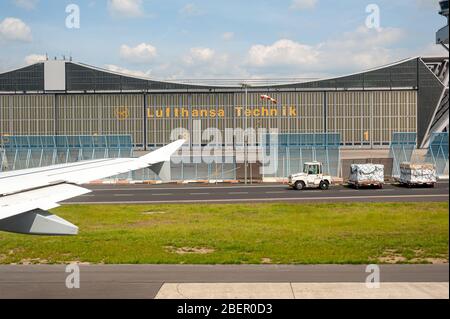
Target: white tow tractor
(311, 177)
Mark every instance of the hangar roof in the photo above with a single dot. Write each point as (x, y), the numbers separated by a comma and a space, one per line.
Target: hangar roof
(72, 77)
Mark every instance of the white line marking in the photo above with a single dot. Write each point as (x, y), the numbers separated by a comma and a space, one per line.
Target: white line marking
(199, 193)
(276, 192)
(265, 199)
(238, 193)
(162, 194)
(123, 195)
(184, 188)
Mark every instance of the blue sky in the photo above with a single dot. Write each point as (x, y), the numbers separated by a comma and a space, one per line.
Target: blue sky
(220, 38)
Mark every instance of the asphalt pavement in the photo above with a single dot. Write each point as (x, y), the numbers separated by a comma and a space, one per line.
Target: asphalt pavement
(146, 281)
(211, 193)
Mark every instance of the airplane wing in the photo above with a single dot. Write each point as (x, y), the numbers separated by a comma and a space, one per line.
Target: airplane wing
(27, 195)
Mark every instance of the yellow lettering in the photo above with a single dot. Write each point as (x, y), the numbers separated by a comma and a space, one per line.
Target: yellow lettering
(194, 113)
(149, 113)
(204, 113)
(293, 111)
(256, 112)
(366, 135)
(212, 113)
(159, 113)
(264, 112)
(221, 113)
(273, 112)
(248, 112)
(184, 112)
(239, 111)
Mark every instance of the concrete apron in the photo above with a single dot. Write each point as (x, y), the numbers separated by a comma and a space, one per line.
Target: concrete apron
(303, 291)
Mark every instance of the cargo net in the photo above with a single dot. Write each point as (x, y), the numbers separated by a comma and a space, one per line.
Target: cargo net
(296, 149)
(413, 174)
(402, 150)
(21, 152)
(438, 153)
(367, 173)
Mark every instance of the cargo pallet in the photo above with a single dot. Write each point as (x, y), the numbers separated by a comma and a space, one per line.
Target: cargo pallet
(366, 183)
(415, 184)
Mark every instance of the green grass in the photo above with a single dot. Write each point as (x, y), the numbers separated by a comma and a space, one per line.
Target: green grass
(248, 233)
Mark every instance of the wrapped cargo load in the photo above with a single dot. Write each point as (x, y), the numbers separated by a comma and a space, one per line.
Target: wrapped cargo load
(367, 174)
(417, 174)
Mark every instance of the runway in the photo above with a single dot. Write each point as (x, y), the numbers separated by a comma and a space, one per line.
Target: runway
(223, 281)
(170, 193)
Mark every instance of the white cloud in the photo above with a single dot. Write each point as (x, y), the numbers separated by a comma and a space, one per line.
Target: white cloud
(227, 36)
(433, 50)
(282, 52)
(118, 69)
(201, 63)
(126, 8)
(26, 4)
(142, 53)
(362, 49)
(303, 4)
(34, 58)
(199, 55)
(190, 9)
(15, 30)
(354, 51)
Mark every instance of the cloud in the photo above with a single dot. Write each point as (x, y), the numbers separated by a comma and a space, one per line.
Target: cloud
(142, 53)
(282, 52)
(203, 62)
(190, 10)
(227, 36)
(355, 51)
(34, 58)
(15, 30)
(199, 55)
(26, 4)
(431, 50)
(363, 48)
(118, 69)
(126, 8)
(303, 4)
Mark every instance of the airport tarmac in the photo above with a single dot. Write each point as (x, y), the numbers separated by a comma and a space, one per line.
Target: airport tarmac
(224, 281)
(212, 193)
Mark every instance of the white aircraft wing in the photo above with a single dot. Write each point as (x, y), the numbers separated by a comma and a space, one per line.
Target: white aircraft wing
(26, 195)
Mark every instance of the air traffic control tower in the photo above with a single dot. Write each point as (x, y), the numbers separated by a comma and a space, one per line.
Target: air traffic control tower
(442, 34)
(440, 121)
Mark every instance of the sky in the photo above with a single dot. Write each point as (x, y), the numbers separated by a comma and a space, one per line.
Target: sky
(208, 39)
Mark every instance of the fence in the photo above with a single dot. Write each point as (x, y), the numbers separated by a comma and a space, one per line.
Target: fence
(401, 150)
(21, 152)
(296, 149)
(438, 153)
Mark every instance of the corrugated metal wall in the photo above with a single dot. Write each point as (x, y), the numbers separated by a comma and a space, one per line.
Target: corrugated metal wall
(363, 118)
